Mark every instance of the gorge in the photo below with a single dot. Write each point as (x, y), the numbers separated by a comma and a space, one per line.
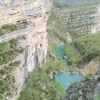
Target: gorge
(50, 50)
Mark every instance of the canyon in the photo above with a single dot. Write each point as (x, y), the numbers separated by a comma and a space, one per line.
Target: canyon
(30, 32)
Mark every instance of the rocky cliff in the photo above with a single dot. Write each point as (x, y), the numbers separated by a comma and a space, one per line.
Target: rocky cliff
(23, 42)
(88, 89)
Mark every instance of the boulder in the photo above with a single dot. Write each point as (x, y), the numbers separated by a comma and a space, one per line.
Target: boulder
(65, 57)
(52, 56)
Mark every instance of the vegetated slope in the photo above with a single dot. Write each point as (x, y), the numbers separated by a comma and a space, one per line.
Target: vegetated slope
(78, 20)
(74, 57)
(89, 46)
(88, 89)
(55, 26)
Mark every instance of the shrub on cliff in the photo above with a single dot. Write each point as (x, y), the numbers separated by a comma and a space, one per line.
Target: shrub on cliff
(1, 32)
(88, 46)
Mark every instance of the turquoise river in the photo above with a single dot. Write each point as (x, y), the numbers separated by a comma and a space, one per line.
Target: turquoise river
(65, 79)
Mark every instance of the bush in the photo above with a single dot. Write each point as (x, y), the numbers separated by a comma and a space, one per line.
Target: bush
(9, 28)
(2, 46)
(16, 63)
(1, 32)
(3, 87)
(13, 27)
(73, 57)
(13, 43)
(88, 46)
(7, 56)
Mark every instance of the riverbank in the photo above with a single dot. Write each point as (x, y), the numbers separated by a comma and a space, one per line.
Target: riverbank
(88, 89)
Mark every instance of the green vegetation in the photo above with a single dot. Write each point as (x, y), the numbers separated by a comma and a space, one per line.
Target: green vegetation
(3, 86)
(7, 80)
(98, 97)
(88, 46)
(74, 58)
(41, 86)
(9, 50)
(16, 63)
(6, 86)
(3, 47)
(13, 27)
(7, 56)
(1, 32)
(66, 18)
(9, 68)
(56, 27)
(57, 65)
(58, 36)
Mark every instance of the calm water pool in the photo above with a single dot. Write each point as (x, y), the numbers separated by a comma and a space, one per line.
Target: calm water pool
(60, 51)
(66, 78)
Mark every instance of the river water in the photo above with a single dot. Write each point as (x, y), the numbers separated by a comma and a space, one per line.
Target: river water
(65, 79)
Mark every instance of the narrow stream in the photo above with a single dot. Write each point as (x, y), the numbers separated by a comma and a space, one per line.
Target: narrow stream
(65, 79)
(60, 51)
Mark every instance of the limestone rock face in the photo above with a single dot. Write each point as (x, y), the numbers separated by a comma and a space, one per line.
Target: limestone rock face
(33, 38)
